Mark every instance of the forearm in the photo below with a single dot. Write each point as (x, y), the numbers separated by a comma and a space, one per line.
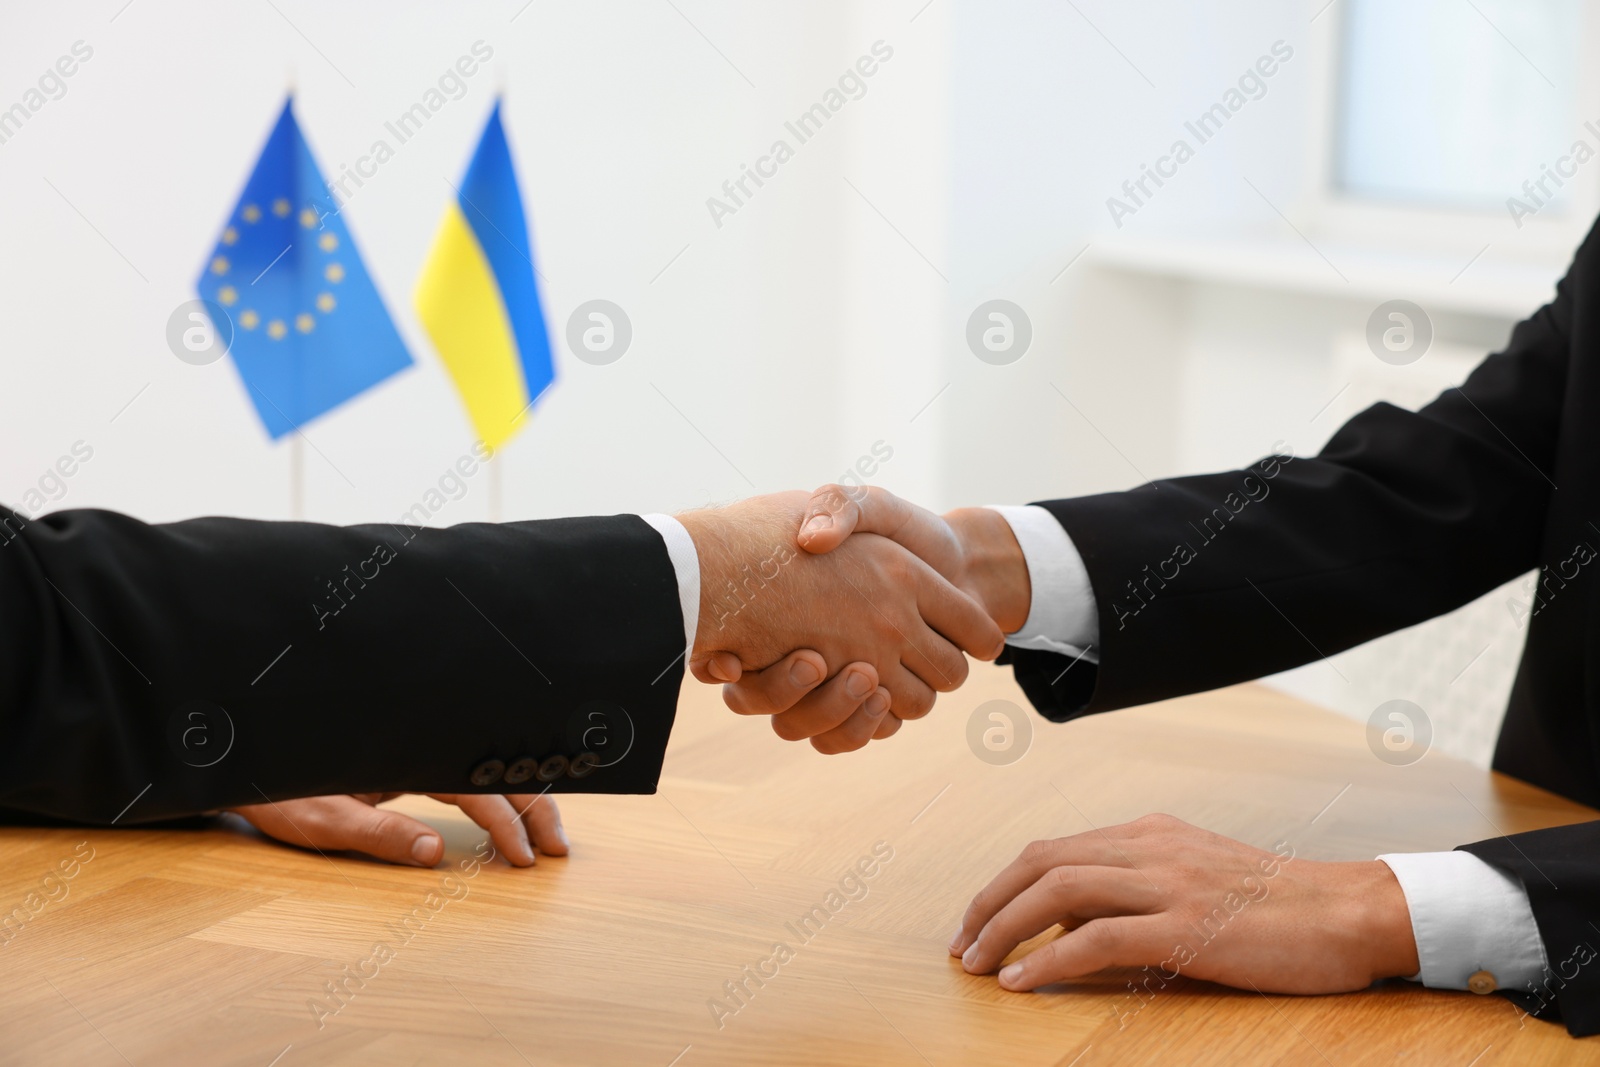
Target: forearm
(359, 659)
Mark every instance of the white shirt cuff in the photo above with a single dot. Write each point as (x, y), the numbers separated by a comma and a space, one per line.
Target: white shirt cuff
(686, 562)
(1062, 614)
(1468, 916)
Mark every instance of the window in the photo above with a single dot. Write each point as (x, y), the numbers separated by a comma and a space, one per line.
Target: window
(1456, 103)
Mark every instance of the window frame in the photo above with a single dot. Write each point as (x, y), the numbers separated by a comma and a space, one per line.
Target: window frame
(1441, 229)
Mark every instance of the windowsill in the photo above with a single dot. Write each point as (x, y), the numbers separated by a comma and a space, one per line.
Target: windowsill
(1491, 287)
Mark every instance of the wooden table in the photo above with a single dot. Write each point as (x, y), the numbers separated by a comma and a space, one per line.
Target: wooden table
(211, 947)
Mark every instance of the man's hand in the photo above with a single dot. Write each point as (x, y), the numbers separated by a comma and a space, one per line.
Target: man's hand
(1161, 893)
(973, 548)
(517, 824)
(834, 716)
(870, 601)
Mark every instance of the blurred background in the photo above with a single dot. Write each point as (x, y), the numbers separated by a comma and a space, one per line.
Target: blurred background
(1168, 310)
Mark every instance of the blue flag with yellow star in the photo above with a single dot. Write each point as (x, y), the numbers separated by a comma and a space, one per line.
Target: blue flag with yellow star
(309, 330)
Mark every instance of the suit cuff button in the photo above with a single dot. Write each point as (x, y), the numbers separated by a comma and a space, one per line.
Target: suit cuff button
(521, 770)
(488, 772)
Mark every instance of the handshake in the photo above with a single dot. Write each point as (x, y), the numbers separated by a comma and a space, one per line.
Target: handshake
(841, 614)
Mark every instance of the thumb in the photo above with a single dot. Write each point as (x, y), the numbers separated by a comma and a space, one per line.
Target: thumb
(830, 516)
(834, 512)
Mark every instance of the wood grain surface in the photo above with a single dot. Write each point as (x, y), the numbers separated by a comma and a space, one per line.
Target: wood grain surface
(216, 946)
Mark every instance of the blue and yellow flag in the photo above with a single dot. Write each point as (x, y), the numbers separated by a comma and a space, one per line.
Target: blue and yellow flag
(478, 299)
(310, 330)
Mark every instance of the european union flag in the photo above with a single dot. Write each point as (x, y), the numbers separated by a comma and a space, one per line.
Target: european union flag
(310, 330)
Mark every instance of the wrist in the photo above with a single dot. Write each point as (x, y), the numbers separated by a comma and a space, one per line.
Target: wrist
(712, 548)
(1383, 921)
(996, 570)
(742, 552)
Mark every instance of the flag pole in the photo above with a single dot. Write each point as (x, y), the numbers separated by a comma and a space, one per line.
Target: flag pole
(495, 486)
(297, 478)
(297, 448)
(496, 473)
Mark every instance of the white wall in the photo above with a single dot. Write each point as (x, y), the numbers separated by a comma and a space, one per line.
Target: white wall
(624, 120)
(825, 316)
(1054, 106)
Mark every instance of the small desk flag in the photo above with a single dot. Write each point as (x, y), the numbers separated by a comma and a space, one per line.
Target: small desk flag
(478, 299)
(310, 330)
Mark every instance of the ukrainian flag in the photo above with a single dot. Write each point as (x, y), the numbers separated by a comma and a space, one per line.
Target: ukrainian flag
(478, 299)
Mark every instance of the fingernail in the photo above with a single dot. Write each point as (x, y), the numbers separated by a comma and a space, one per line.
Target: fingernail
(970, 956)
(561, 832)
(877, 704)
(818, 523)
(955, 941)
(714, 669)
(858, 684)
(1012, 975)
(804, 673)
(424, 849)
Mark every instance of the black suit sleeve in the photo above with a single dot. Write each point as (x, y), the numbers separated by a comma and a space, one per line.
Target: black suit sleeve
(1558, 869)
(1205, 581)
(152, 671)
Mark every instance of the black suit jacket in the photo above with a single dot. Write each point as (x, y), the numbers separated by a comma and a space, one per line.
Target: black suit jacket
(1210, 580)
(148, 671)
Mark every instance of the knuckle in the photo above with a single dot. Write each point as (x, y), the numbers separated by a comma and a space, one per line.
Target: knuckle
(1100, 936)
(955, 672)
(901, 568)
(1038, 853)
(913, 705)
(379, 831)
(1061, 880)
(1157, 822)
(788, 729)
(751, 702)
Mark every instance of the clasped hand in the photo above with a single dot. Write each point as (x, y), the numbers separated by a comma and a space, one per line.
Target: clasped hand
(887, 594)
(777, 606)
